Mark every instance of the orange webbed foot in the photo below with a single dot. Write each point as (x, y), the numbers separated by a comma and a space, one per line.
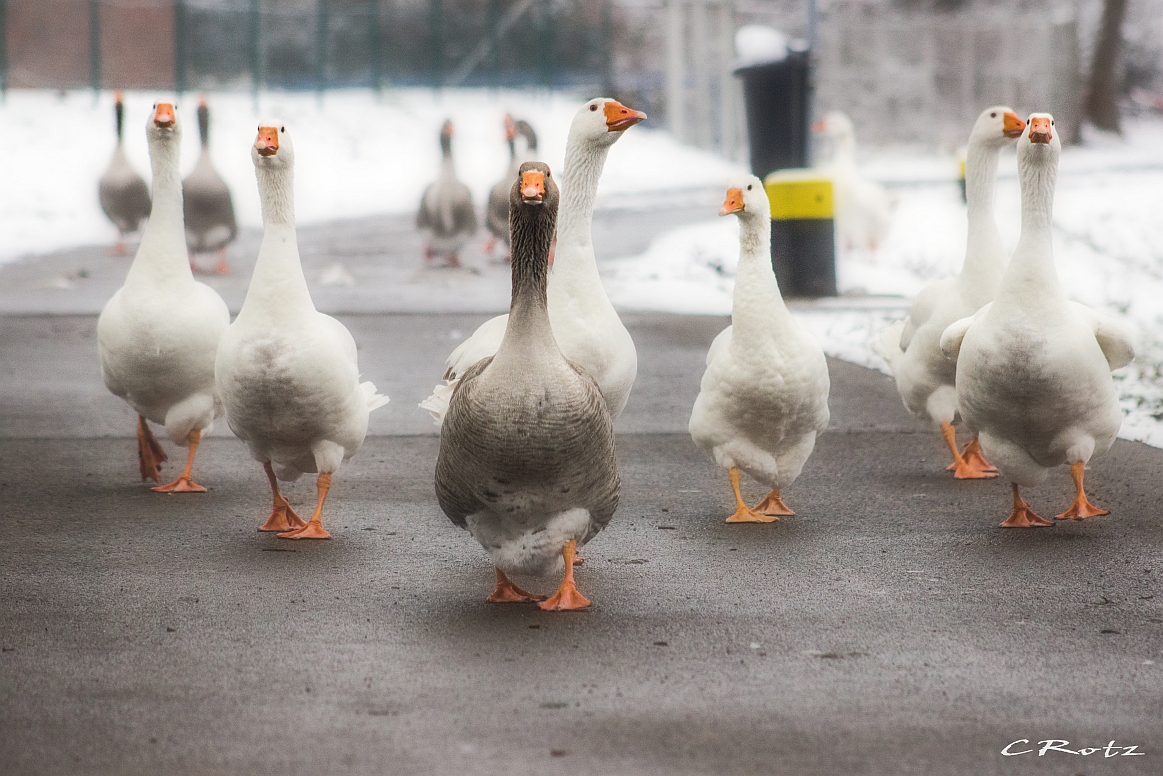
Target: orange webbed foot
(566, 599)
(312, 530)
(1081, 508)
(1022, 516)
(180, 485)
(508, 593)
(773, 506)
(149, 453)
(967, 470)
(745, 515)
(284, 519)
(973, 457)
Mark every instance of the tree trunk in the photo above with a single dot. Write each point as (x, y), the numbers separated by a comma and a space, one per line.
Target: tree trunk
(1102, 93)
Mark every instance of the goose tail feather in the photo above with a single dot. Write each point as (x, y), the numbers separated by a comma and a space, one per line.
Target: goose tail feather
(374, 400)
(437, 404)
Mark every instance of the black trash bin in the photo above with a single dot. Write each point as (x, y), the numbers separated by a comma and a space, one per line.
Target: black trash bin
(776, 95)
(803, 247)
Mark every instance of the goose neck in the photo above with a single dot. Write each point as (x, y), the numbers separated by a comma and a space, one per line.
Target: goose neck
(532, 234)
(579, 188)
(276, 188)
(756, 289)
(1031, 271)
(162, 255)
(985, 254)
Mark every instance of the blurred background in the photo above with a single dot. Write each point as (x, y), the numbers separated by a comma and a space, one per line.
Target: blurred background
(904, 70)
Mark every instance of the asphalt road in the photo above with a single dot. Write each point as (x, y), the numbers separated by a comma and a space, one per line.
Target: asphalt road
(889, 628)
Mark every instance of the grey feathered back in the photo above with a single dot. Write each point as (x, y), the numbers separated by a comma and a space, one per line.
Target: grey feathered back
(123, 194)
(206, 201)
(446, 207)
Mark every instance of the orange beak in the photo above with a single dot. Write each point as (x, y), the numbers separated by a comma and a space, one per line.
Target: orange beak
(533, 186)
(1040, 131)
(1012, 126)
(164, 116)
(733, 203)
(819, 126)
(510, 128)
(619, 118)
(117, 97)
(202, 101)
(267, 142)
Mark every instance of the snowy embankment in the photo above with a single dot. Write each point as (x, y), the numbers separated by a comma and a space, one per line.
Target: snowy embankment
(356, 154)
(1108, 219)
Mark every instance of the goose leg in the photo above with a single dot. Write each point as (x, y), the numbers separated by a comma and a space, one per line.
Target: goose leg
(1081, 508)
(742, 513)
(282, 518)
(149, 452)
(961, 468)
(509, 593)
(1023, 516)
(314, 528)
(221, 268)
(973, 457)
(183, 484)
(567, 597)
(773, 506)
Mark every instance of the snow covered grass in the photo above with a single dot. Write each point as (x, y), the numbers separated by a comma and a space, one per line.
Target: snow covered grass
(1108, 238)
(356, 154)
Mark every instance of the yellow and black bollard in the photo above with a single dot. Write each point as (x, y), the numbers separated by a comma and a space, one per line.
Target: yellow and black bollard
(803, 243)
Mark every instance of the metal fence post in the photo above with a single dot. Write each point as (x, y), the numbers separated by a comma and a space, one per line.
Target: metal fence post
(95, 46)
(3, 50)
(492, 19)
(606, 32)
(255, 52)
(675, 69)
(545, 49)
(435, 25)
(377, 44)
(179, 46)
(320, 47)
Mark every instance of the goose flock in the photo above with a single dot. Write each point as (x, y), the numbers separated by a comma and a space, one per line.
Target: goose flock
(527, 462)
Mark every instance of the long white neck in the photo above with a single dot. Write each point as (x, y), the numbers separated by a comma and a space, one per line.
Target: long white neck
(985, 254)
(757, 300)
(1031, 272)
(575, 268)
(162, 257)
(277, 288)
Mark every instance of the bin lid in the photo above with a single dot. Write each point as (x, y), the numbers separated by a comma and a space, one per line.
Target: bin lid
(799, 193)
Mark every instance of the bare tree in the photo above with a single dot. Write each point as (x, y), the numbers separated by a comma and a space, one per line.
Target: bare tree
(1102, 92)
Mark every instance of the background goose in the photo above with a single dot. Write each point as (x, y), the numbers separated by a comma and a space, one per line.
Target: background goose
(446, 209)
(122, 192)
(912, 347)
(585, 324)
(863, 216)
(1033, 368)
(497, 211)
(287, 373)
(209, 211)
(158, 335)
(526, 460)
(764, 397)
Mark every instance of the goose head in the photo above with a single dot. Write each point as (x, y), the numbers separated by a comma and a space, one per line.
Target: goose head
(534, 188)
(446, 137)
(272, 149)
(602, 121)
(997, 126)
(746, 199)
(162, 124)
(836, 126)
(1039, 145)
(510, 128)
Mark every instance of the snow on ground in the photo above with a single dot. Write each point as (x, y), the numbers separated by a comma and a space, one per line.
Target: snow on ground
(1108, 221)
(356, 154)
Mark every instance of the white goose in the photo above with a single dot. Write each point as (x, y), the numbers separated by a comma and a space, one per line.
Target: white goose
(863, 216)
(287, 373)
(764, 396)
(912, 347)
(588, 330)
(158, 335)
(527, 461)
(1033, 368)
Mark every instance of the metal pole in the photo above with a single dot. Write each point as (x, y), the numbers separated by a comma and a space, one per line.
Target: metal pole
(95, 46)
(700, 106)
(255, 51)
(675, 75)
(728, 134)
(435, 30)
(813, 14)
(179, 46)
(3, 50)
(606, 31)
(377, 44)
(545, 50)
(320, 47)
(492, 20)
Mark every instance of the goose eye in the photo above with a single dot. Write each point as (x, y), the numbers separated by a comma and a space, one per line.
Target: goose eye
(282, 129)
(993, 115)
(1051, 123)
(749, 187)
(593, 107)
